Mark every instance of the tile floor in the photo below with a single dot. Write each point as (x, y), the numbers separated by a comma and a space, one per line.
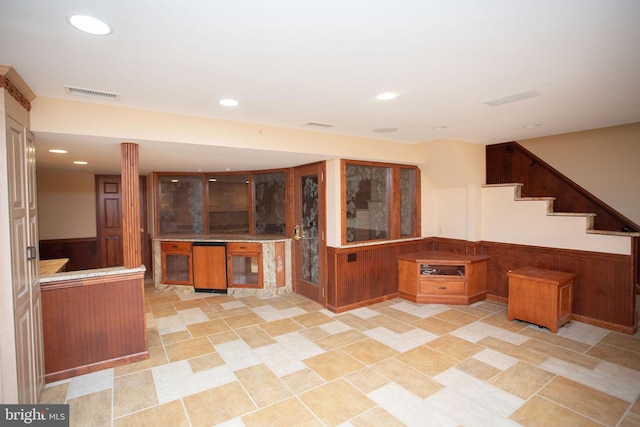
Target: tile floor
(286, 361)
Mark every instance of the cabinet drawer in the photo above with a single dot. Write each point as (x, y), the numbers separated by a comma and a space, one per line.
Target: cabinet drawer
(442, 286)
(176, 246)
(243, 247)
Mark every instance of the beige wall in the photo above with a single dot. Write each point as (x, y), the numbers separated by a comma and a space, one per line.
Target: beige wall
(66, 205)
(525, 222)
(605, 162)
(452, 173)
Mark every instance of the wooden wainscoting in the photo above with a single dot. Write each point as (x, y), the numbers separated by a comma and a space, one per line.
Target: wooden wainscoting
(82, 252)
(603, 290)
(93, 323)
(363, 275)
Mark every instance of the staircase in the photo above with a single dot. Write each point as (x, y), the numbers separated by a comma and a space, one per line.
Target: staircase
(511, 163)
(535, 180)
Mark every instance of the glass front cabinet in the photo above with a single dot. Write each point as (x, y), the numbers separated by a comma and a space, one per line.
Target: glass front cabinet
(177, 268)
(218, 204)
(244, 265)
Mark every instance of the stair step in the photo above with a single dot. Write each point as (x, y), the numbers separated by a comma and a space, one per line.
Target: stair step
(571, 214)
(517, 187)
(615, 233)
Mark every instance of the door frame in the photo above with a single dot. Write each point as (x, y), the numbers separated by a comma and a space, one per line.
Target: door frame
(299, 286)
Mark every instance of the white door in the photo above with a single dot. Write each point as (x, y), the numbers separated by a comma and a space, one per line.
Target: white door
(24, 261)
(34, 263)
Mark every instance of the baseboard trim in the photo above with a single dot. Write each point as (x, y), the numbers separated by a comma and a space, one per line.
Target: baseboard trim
(93, 367)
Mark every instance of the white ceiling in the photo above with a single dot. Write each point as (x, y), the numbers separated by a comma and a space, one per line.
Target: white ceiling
(291, 62)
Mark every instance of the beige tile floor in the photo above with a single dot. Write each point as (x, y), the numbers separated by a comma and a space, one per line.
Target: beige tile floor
(286, 361)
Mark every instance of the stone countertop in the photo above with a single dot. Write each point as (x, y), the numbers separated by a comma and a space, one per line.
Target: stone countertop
(219, 238)
(83, 274)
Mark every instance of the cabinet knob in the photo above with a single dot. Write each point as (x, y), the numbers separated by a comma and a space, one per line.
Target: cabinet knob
(442, 287)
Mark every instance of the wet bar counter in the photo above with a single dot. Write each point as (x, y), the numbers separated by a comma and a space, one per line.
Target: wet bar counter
(174, 263)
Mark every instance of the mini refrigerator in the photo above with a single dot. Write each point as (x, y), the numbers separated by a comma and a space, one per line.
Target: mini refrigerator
(209, 266)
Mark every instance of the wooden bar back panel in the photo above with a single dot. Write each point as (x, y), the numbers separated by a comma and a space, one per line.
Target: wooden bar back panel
(93, 323)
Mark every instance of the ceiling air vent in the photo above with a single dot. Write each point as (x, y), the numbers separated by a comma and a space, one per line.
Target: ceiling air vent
(72, 90)
(512, 98)
(319, 125)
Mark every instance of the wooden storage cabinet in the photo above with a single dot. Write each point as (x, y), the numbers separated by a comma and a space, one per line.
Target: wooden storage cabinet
(244, 265)
(177, 266)
(442, 277)
(542, 297)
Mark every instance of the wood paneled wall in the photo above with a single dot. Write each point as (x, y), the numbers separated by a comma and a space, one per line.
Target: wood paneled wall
(93, 323)
(603, 290)
(82, 253)
(364, 275)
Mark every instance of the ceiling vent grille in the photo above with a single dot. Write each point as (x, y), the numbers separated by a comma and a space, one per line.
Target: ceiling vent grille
(319, 125)
(72, 90)
(512, 98)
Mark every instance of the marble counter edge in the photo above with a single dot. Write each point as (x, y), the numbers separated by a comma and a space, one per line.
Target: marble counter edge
(84, 274)
(221, 239)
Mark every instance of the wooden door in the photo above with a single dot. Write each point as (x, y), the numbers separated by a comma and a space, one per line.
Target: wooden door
(109, 216)
(309, 243)
(109, 222)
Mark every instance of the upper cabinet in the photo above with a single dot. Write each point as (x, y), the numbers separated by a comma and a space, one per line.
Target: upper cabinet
(179, 208)
(269, 195)
(221, 203)
(228, 203)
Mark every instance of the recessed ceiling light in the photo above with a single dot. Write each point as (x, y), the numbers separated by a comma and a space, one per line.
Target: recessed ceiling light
(439, 127)
(80, 162)
(532, 126)
(386, 96)
(228, 102)
(385, 130)
(58, 151)
(90, 25)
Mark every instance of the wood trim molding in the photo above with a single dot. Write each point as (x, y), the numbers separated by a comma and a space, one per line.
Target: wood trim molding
(15, 92)
(93, 367)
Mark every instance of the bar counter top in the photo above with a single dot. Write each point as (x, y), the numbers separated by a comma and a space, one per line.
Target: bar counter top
(219, 238)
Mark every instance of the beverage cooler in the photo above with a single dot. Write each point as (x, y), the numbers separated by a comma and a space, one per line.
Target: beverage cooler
(210, 267)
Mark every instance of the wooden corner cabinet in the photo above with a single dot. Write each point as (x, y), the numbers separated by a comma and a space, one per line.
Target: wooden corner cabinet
(442, 277)
(542, 297)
